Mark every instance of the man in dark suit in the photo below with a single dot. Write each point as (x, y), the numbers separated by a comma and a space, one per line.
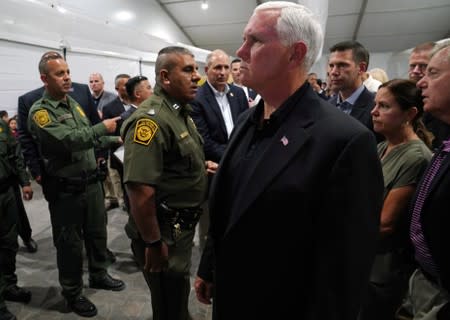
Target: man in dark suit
(112, 184)
(295, 204)
(429, 286)
(216, 108)
(217, 105)
(121, 103)
(80, 92)
(252, 96)
(347, 63)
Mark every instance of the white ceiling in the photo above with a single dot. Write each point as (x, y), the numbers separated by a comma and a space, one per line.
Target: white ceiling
(380, 25)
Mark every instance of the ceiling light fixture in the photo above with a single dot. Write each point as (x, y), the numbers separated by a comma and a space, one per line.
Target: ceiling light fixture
(124, 15)
(61, 9)
(204, 5)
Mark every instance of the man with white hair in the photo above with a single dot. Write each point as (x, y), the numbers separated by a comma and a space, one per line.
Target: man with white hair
(295, 204)
(429, 286)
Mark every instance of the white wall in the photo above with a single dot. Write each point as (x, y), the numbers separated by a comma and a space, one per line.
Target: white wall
(19, 70)
(29, 28)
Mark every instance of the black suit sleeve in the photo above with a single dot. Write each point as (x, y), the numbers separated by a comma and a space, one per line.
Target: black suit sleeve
(30, 150)
(213, 149)
(206, 265)
(83, 96)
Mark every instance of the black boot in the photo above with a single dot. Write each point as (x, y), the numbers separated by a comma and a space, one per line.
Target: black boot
(82, 306)
(6, 315)
(17, 294)
(107, 283)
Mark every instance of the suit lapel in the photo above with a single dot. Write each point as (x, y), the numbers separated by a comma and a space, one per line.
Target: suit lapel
(234, 106)
(285, 145)
(361, 104)
(287, 142)
(443, 172)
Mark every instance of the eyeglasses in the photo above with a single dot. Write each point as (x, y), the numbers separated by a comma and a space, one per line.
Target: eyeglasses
(420, 66)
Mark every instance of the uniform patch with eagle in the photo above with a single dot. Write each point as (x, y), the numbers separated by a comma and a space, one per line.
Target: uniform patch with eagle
(145, 131)
(42, 118)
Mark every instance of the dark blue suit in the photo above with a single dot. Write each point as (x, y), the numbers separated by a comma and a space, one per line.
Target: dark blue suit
(361, 109)
(209, 120)
(114, 109)
(80, 93)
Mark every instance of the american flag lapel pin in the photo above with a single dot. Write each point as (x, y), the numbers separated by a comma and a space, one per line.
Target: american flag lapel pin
(284, 141)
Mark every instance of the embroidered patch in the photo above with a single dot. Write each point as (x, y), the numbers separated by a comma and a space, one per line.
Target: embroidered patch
(42, 118)
(145, 131)
(81, 111)
(1, 129)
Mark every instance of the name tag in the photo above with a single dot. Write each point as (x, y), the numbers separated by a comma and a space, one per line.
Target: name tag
(64, 117)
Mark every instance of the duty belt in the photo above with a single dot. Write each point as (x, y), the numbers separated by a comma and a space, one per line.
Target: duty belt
(87, 179)
(179, 218)
(75, 184)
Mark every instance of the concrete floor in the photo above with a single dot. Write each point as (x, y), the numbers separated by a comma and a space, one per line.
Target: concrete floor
(38, 273)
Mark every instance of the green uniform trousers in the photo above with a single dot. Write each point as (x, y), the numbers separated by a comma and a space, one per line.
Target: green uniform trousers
(76, 217)
(169, 289)
(8, 241)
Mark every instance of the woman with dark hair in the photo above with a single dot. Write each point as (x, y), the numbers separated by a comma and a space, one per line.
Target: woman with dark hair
(404, 155)
(12, 123)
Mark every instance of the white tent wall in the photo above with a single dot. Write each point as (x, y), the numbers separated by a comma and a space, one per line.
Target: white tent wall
(19, 72)
(29, 28)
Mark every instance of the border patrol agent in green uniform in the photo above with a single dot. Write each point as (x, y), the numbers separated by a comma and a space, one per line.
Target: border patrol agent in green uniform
(71, 184)
(11, 167)
(166, 180)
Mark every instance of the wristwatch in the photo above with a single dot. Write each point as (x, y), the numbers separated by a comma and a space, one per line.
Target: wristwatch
(152, 244)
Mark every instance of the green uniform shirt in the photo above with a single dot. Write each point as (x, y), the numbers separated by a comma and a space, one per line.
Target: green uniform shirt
(11, 161)
(164, 149)
(66, 137)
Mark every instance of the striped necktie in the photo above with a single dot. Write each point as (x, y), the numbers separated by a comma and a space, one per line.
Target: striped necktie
(422, 252)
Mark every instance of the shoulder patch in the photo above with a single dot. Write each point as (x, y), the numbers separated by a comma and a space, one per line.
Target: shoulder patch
(1, 129)
(81, 111)
(145, 131)
(42, 118)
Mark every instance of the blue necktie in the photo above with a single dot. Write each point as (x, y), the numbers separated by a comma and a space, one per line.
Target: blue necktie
(345, 106)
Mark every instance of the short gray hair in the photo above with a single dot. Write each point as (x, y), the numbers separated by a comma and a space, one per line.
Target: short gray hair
(297, 23)
(444, 44)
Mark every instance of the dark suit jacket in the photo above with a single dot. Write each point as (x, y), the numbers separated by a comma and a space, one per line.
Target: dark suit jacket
(252, 93)
(114, 109)
(361, 110)
(435, 220)
(209, 120)
(303, 236)
(80, 93)
(440, 129)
